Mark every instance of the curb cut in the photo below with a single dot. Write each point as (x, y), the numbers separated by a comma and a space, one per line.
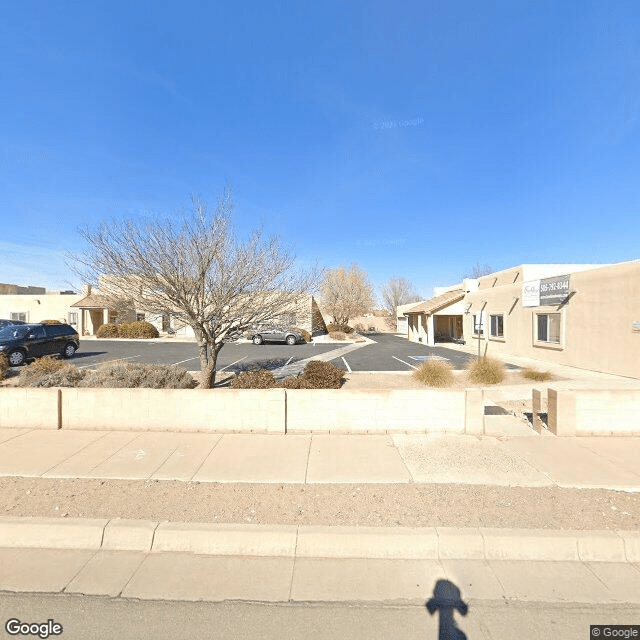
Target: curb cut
(305, 541)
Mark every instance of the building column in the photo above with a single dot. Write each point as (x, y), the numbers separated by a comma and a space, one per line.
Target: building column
(430, 331)
(105, 316)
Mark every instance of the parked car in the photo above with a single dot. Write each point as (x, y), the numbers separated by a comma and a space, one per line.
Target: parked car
(275, 334)
(4, 323)
(24, 341)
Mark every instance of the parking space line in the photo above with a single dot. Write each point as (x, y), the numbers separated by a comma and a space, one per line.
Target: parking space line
(231, 365)
(288, 361)
(346, 364)
(403, 362)
(86, 366)
(187, 360)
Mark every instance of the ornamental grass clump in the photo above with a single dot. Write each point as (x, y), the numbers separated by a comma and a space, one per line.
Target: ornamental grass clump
(434, 373)
(338, 335)
(485, 371)
(534, 374)
(4, 366)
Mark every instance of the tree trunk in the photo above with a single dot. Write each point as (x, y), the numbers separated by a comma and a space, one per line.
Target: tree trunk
(208, 360)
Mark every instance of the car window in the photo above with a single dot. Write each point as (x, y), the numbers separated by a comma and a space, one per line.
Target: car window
(38, 332)
(13, 331)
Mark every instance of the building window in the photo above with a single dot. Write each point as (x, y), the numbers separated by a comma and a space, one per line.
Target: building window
(478, 324)
(73, 317)
(21, 316)
(497, 326)
(548, 329)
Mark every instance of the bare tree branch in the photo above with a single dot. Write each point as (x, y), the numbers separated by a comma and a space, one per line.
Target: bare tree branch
(395, 292)
(347, 293)
(199, 271)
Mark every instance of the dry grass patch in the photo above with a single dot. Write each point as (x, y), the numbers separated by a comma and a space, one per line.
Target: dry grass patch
(260, 379)
(534, 374)
(39, 369)
(485, 371)
(434, 373)
(338, 335)
(4, 366)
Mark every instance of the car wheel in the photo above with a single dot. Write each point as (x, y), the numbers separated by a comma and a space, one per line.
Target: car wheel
(69, 350)
(16, 358)
(257, 340)
(291, 340)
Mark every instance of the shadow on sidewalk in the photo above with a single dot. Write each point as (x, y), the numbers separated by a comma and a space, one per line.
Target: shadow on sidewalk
(445, 601)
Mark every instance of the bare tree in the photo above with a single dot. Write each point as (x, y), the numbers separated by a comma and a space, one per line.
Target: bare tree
(198, 270)
(395, 292)
(346, 292)
(478, 270)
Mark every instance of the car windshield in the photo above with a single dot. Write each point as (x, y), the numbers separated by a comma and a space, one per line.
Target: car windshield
(12, 331)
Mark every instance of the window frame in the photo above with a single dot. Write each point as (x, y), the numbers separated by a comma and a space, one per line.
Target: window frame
(13, 316)
(479, 325)
(548, 344)
(492, 335)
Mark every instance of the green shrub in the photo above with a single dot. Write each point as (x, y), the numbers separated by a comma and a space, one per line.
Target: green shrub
(4, 366)
(260, 379)
(109, 330)
(321, 375)
(533, 374)
(306, 336)
(338, 335)
(434, 373)
(132, 375)
(39, 369)
(485, 371)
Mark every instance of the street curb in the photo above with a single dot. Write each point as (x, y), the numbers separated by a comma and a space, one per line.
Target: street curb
(303, 541)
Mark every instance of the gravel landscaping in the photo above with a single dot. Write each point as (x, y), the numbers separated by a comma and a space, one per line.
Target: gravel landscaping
(337, 504)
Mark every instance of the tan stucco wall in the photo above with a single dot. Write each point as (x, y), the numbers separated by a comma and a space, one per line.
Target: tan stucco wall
(596, 321)
(43, 306)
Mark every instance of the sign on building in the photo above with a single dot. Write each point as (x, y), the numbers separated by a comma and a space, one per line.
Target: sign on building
(545, 292)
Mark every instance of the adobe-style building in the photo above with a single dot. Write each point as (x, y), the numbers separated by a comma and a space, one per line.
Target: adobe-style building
(580, 315)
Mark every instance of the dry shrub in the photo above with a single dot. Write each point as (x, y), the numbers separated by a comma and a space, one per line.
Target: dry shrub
(39, 369)
(260, 379)
(4, 366)
(345, 328)
(359, 327)
(485, 371)
(434, 373)
(138, 329)
(67, 375)
(534, 374)
(132, 375)
(338, 335)
(321, 375)
(51, 322)
(306, 336)
(109, 330)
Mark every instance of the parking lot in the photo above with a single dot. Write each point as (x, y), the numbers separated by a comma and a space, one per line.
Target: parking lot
(387, 353)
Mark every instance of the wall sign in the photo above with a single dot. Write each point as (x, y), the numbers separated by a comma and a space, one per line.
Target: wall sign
(545, 292)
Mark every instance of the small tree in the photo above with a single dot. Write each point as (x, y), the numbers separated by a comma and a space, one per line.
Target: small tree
(346, 292)
(395, 292)
(199, 271)
(478, 270)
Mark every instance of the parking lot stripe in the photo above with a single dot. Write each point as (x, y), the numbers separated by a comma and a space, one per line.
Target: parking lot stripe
(231, 365)
(403, 362)
(86, 366)
(288, 361)
(346, 364)
(187, 360)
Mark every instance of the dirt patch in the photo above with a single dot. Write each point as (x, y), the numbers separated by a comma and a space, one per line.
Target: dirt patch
(405, 505)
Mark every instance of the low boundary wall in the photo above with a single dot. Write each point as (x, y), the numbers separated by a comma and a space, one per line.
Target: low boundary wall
(585, 412)
(245, 410)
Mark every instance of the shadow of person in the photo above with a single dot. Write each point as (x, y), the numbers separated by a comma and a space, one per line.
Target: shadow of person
(446, 599)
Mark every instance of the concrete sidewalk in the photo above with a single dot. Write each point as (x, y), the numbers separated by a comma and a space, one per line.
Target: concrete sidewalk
(173, 561)
(527, 461)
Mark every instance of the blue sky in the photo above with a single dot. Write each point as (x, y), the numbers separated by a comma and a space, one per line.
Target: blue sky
(414, 138)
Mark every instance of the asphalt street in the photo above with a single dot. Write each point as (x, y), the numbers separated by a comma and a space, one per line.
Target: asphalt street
(100, 618)
(387, 353)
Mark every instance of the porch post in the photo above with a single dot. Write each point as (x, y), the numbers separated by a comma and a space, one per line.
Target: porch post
(430, 331)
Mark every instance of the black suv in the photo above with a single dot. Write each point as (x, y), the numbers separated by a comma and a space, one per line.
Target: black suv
(23, 341)
(4, 323)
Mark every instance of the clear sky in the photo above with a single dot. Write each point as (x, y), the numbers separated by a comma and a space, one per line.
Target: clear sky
(414, 138)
